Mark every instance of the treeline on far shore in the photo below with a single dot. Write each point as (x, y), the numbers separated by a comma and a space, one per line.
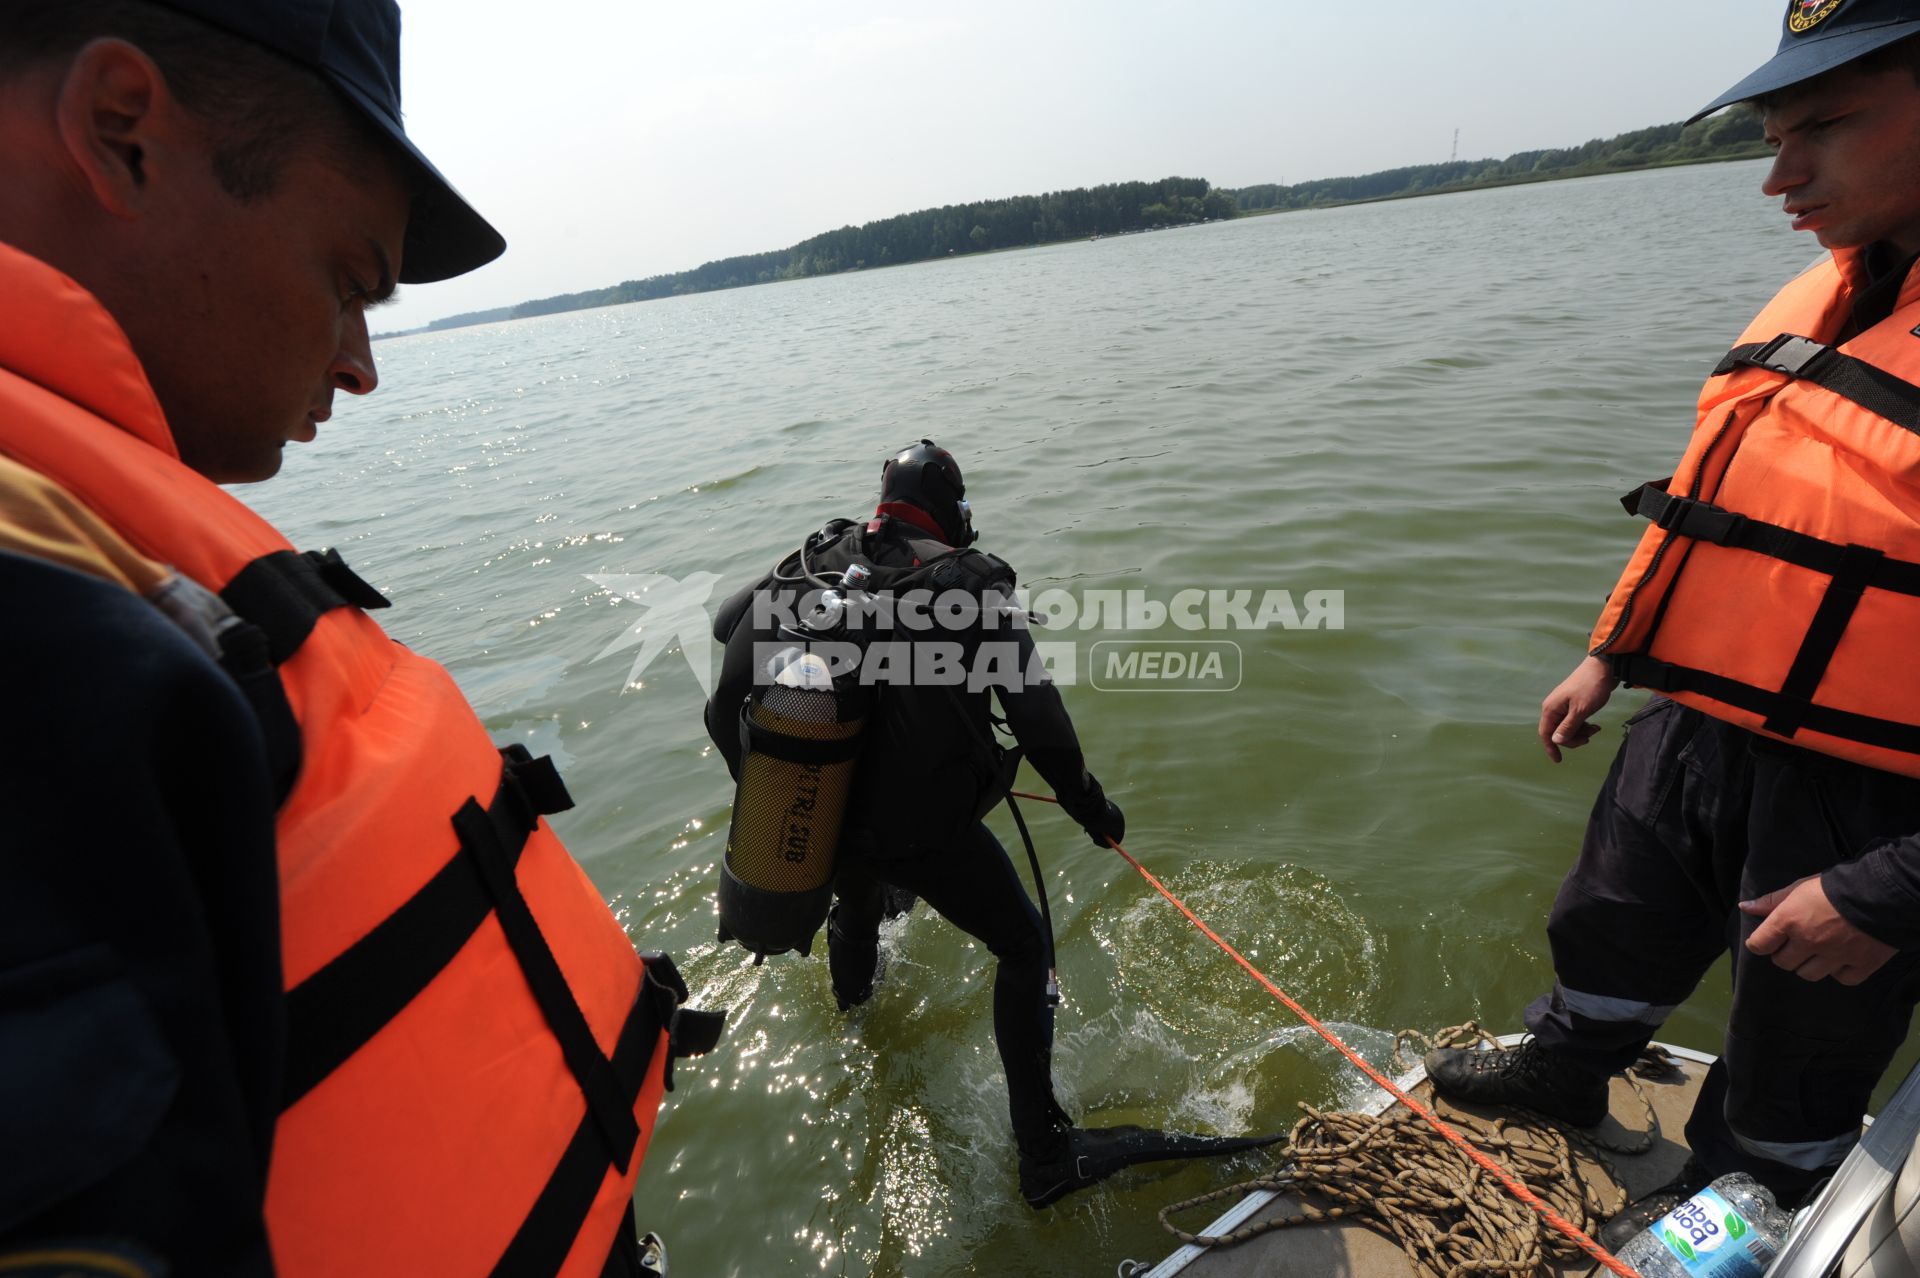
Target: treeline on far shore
(1124, 207)
(930, 233)
(1732, 135)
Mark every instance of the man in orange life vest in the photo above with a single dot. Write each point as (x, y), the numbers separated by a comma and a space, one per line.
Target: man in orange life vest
(294, 978)
(1765, 798)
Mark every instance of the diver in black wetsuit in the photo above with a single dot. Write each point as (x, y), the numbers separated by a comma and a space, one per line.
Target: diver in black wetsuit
(928, 771)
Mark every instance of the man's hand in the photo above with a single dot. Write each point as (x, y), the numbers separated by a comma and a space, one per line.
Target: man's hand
(1564, 714)
(1806, 935)
(1108, 827)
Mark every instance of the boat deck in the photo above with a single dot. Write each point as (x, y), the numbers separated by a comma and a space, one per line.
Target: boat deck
(1344, 1249)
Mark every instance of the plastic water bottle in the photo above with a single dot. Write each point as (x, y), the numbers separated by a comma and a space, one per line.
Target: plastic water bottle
(1730, 1229)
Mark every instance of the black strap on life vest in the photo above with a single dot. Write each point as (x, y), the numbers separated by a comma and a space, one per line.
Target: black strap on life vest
(1851, 570)
(1803, 359)
(1643, 671)
(1703, 521)
(544, 1238)
(623, 1259)
(338, 1009)
(287, 592)
(334, 1012)
(612, 1112)
(1844, 589)
(279, 598)
(244, 656)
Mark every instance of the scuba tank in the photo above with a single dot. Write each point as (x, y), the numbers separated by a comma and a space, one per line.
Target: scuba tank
(800, 735)
(801, 726)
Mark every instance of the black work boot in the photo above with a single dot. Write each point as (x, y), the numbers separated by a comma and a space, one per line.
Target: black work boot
(1640, 1214)
(1528, 1076)
(855, 964)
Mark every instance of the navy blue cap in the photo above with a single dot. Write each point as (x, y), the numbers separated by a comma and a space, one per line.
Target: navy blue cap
(355, 47)
(1818, 35)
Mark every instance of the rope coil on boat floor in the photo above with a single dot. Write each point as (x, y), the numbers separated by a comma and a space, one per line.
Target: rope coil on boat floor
(1575, 1234)
(1394, 1174)
(1447, 1216)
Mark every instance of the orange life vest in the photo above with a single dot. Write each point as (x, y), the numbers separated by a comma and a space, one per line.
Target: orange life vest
(1779, 586)
(476, 1053)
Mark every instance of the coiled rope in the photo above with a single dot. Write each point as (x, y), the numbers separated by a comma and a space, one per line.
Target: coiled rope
(1339, 1148)
(1393, 1173)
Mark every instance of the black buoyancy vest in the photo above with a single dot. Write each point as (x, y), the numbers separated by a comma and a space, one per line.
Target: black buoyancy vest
(929, 764)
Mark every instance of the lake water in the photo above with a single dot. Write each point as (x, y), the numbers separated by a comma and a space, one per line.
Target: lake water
(1429, 406)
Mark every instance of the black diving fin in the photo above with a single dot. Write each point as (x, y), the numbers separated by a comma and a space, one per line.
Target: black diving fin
(1095, 1153)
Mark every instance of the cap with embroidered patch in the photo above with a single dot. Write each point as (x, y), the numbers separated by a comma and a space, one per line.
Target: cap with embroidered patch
(1817, 36)
(355, 46)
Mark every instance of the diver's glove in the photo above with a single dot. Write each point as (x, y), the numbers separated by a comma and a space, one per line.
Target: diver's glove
(1109, 825)
(1098, 815)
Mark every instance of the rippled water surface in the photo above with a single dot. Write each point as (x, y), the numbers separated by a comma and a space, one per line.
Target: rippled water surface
(1429, 405)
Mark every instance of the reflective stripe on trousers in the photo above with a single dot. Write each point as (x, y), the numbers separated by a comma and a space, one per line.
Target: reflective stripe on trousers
(1696, 815)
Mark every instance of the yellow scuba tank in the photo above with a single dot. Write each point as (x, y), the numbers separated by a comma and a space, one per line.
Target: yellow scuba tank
(800, 735)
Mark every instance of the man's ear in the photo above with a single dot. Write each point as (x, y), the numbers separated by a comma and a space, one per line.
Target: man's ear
(111, 105)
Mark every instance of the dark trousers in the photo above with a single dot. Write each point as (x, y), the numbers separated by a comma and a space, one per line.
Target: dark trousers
(974, 887)
(1695, 816)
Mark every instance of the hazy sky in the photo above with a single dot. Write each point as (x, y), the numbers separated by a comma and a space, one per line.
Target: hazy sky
(615, 139)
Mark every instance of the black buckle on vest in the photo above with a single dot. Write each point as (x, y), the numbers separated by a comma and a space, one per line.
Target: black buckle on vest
(536, 782)
(286, 593)
(1702, 521)
(1673, 512)
(689, 1032)
(662, 972)
(1637, 670)
(1789, 354)
(350, 585)
(1644, 495)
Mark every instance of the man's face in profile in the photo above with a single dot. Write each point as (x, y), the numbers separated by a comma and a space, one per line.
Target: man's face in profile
(1848, 157)
(266, 314)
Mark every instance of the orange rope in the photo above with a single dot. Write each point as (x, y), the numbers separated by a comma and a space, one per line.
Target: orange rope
(1440, 1125)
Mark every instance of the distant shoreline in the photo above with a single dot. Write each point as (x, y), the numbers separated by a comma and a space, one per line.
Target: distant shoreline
(1063, 217)
(1523, 180)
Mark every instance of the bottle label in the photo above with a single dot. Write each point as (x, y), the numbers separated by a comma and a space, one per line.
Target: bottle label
(1712, 1240)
